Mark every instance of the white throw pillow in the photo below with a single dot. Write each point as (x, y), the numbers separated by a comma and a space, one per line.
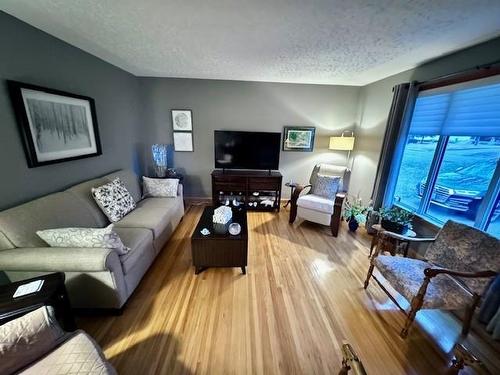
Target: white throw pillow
(159, 187)
(114, 199)
(84, 237)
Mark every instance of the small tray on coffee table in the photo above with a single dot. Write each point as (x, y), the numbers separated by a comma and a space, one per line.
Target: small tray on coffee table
(220, 249)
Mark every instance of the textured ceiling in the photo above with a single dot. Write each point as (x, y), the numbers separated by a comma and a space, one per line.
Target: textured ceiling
(317, 41)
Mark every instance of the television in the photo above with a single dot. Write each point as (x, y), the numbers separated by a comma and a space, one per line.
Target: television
(247, 150)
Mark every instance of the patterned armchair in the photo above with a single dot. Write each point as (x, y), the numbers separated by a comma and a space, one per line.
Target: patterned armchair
(460, 263)
(318, 209)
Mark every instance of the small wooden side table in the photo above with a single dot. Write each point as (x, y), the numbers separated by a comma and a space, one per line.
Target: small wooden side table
(53, 293)
(393, 243)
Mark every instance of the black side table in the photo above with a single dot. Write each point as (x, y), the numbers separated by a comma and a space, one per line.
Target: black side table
(292, 186)
(53, 293)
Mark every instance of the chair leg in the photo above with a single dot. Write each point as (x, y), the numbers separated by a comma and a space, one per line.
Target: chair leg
(416, 305)
(469, 313)
(293, 212)
(369, 275)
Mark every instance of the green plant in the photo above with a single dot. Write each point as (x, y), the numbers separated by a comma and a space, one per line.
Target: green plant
(355, 209)
(397, 215)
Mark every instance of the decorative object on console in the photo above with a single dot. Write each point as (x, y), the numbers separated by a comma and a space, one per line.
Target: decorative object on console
(343, 143)
(159, 187)
(298, 138)
(354, 213)
(182, 120)
(56, 126)
(183, 141)
(114, 199)
(222, 215)
(396, 219)
(159, 152)
(318, 209)
(234, 229)
(84, 238)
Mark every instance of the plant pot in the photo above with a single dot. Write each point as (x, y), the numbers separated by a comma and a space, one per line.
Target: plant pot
(353, 224)
(394, 227)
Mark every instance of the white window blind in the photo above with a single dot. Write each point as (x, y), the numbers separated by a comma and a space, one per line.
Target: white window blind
(466, 109)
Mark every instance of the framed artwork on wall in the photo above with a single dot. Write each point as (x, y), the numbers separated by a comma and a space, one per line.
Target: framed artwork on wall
(183, 141)
(298, 138)
(56, 126)
(182, 120)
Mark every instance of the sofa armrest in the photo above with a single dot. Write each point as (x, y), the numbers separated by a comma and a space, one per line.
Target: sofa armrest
(180, 190)
(63, 259)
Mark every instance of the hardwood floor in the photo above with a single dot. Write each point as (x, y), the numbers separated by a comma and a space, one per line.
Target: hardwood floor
(301, 298)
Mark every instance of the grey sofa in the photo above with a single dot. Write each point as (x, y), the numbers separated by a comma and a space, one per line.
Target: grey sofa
(95, 277)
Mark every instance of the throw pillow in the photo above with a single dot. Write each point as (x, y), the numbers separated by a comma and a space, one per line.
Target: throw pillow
(84, 237)
(27, 338)
(326, 186)
(114, 199)
(159, 187)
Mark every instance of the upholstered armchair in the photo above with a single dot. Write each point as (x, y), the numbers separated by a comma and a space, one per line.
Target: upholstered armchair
(319, 209)
(460, 263)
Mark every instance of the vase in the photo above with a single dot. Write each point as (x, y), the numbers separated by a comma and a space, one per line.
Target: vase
(353, 224)
(394, 227)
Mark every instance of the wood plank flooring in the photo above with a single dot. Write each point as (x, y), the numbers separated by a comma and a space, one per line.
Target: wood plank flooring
(300, 300)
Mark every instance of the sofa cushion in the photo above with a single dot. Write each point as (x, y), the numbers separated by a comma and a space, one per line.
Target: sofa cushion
(316, 203)
(83, 193)
(27, 338)
(59, 210)
(150, 213)
(160, 187)
(140, 242)
(78, 355)
(130, 180)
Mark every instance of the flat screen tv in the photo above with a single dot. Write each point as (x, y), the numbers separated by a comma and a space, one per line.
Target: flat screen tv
(247, 150)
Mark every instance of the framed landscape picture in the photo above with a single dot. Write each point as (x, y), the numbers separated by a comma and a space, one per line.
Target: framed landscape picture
(298, 138)
(183, 141)
(182, 120)
(56, 126)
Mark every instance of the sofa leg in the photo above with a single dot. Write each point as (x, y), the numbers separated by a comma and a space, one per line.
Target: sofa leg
(369, 275)
(469, 313)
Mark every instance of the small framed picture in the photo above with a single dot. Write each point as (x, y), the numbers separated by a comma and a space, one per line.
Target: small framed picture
(182, 120)
(298, 138)
(56, 126)
(183, 141)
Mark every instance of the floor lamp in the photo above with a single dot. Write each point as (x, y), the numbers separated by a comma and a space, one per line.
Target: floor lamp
(343, 143)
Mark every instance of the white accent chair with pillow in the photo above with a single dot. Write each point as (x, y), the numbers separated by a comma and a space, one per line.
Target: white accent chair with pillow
(328, 186)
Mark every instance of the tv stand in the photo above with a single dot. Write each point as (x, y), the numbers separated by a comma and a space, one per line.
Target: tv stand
(253, 190)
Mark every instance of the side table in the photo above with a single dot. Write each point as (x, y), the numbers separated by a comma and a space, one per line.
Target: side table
(52, 293)
(393, 243)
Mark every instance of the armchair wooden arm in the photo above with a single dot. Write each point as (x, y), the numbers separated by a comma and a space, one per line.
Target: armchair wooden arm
(293, 201)
(432, 272)
(406, 238)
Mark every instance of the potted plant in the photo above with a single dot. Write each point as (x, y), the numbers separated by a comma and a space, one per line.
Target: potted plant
(396, 219)
(354, 213)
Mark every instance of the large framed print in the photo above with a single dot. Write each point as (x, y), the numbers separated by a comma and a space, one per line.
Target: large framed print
(56, 126)
(298, 138)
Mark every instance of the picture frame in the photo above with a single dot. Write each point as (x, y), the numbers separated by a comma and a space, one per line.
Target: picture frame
(183, 141)
(182, 120)
(298, 138)
(55, 126)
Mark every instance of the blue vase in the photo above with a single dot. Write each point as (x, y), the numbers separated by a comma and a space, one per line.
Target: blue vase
(353, 224)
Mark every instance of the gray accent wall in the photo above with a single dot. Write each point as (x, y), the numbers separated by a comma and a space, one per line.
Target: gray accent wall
(251, 106)
(32, 56)
(375, 101)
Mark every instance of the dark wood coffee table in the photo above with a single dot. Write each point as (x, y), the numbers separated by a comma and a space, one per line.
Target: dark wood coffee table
(220, 249)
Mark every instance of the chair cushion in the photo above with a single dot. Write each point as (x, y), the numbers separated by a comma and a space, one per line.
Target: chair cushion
(27, 338)
(150, 213)
(316, 202)
(326, 186)
(140, 243)
(406, 275)
(78, 355)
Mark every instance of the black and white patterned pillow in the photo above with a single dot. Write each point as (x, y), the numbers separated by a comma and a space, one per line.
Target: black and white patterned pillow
(114, 199)
(84, 237)
(326, 186)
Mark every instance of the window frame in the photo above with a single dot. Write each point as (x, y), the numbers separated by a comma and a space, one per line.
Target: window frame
(485, 210)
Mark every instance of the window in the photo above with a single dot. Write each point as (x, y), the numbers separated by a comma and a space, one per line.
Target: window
(449, 168)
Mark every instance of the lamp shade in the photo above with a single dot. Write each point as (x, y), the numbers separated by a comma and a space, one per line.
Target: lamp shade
(341, 143)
